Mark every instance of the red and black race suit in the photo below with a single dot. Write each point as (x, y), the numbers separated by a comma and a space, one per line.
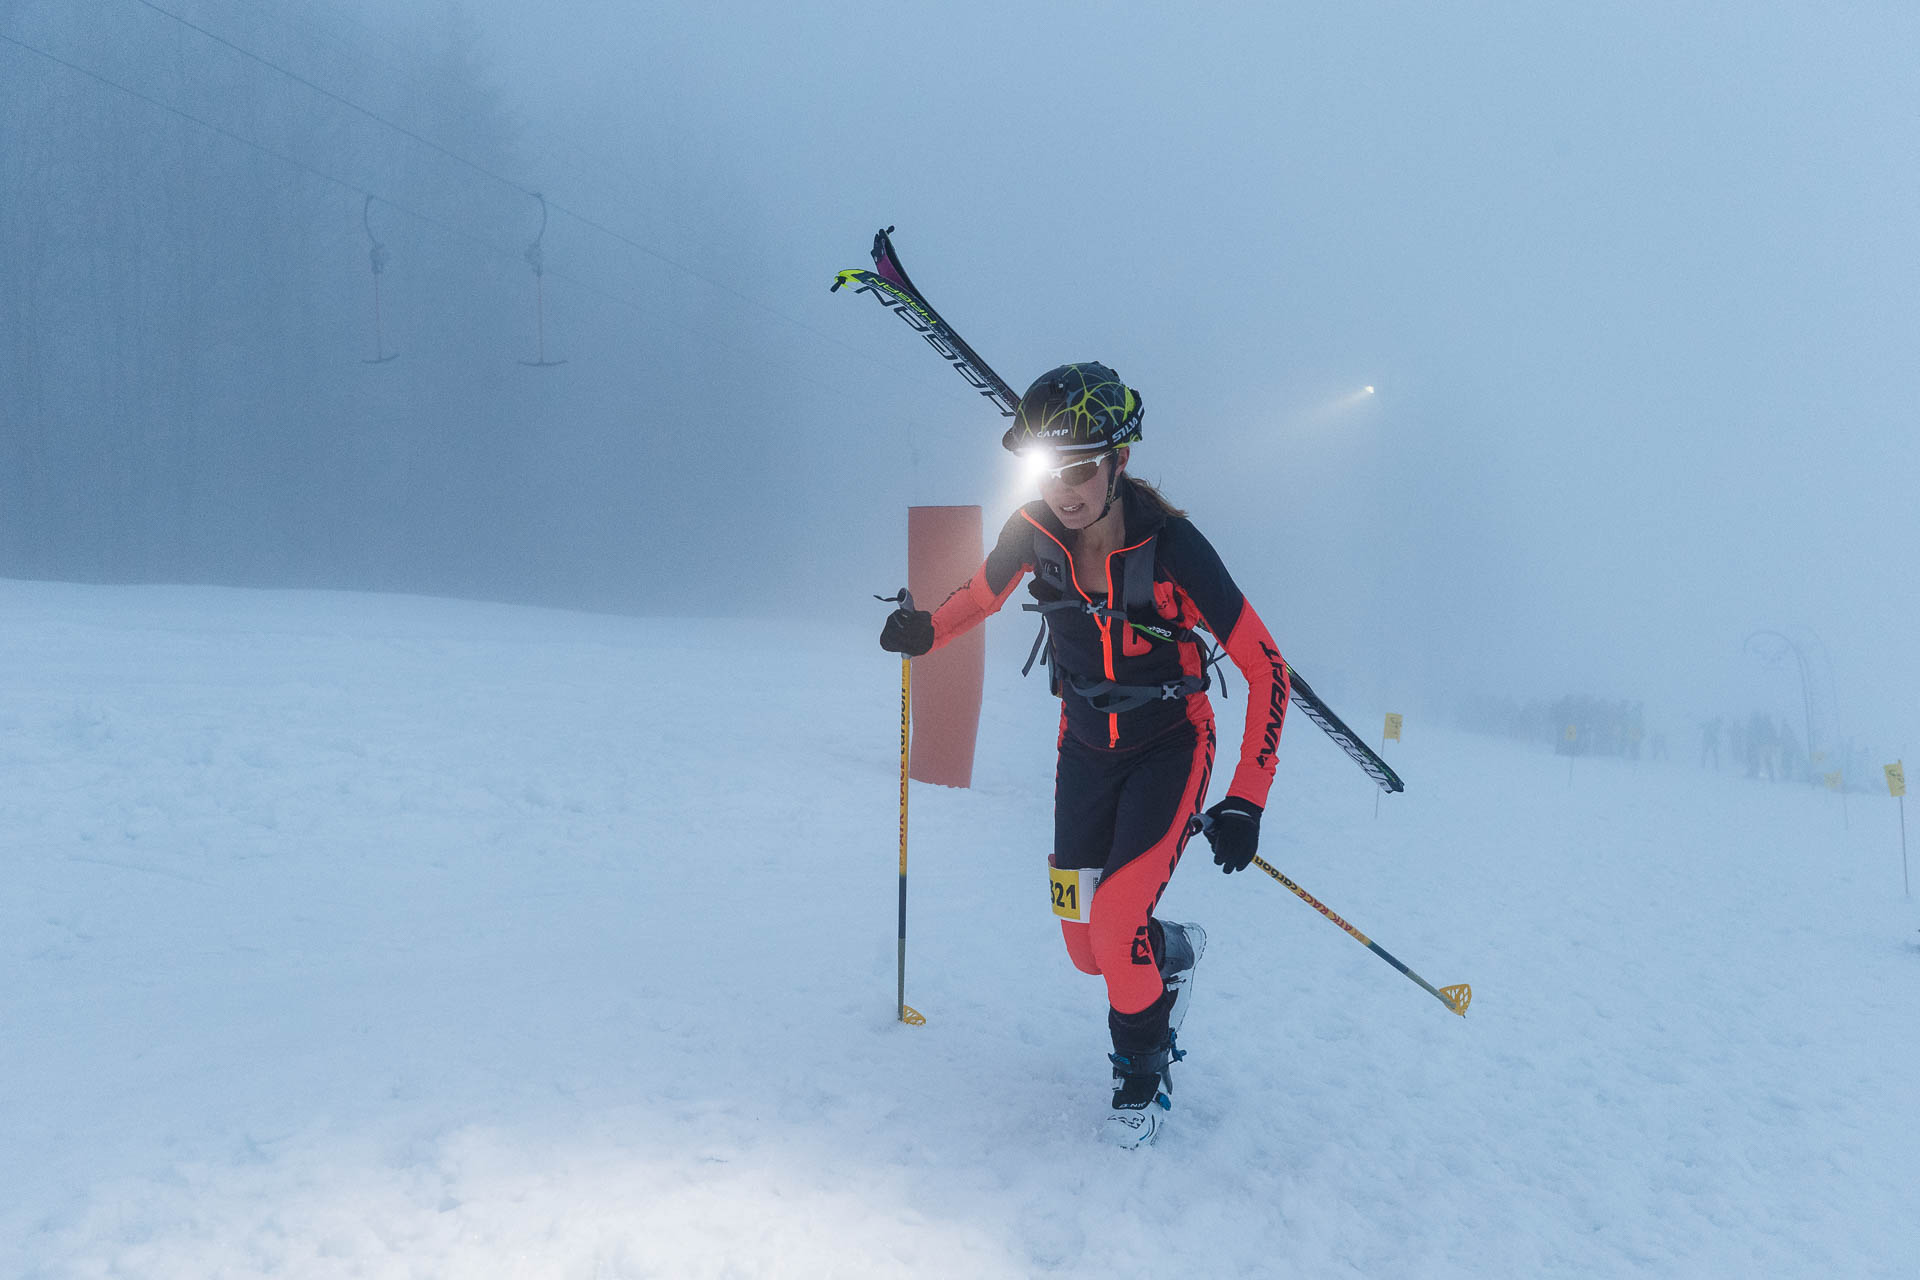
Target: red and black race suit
(1125, 814)
(1191, 589)
(1129, 783)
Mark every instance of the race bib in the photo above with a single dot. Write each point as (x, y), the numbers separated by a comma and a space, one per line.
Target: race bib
(1073, 892)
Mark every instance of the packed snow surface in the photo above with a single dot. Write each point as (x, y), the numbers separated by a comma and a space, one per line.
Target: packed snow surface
(373, 936)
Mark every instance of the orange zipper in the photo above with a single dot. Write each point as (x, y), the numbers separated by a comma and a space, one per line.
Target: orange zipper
(1106, 632)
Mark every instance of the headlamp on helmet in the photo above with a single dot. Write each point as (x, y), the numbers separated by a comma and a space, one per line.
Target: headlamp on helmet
(1076, 409)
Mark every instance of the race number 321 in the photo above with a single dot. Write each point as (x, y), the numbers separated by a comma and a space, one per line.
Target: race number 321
(1072, 889)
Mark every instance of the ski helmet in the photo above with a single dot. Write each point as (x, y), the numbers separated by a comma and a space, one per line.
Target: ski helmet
(1077, 408)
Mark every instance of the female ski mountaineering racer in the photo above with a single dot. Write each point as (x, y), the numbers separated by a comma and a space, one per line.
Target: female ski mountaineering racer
(1121, 581)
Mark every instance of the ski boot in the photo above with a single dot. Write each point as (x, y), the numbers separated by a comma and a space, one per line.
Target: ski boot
(1140, 1096)
(1145, 1044)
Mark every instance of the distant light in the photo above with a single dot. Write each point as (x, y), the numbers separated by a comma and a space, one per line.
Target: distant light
(1367, 392)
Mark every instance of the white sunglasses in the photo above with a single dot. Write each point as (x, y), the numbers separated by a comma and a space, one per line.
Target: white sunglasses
(1074, 474)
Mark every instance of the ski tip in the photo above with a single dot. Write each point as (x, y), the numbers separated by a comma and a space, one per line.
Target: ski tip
(1457, 998)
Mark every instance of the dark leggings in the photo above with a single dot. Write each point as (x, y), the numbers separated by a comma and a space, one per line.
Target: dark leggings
(1126, 814)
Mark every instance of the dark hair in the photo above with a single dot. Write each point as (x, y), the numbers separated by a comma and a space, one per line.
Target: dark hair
(1153, 497)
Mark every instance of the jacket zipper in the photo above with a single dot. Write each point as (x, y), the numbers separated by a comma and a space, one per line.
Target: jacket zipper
(1106, 633)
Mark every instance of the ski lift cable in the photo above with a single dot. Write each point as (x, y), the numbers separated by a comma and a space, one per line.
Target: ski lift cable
(554, 146)
(264, 149)
(427, 219)
(331, 96)
(222, 130)
(524, 190)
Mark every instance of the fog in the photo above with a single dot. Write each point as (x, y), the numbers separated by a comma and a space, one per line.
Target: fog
(1634, 285)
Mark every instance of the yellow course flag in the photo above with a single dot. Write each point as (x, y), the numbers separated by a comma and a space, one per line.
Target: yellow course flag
(1833, 780)
(1896, 779)
(1392, 732)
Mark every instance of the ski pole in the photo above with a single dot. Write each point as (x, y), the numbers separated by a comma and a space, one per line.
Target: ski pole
(1456, 998)
(908, 1014)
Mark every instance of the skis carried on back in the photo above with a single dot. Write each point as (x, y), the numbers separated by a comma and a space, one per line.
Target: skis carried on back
(1362, 754)
(892, 289)
(889, 285)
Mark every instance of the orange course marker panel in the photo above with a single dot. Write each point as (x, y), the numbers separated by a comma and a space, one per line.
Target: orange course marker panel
(944, 549)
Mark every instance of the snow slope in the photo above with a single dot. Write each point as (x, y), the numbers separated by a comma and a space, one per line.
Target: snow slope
(374, 936)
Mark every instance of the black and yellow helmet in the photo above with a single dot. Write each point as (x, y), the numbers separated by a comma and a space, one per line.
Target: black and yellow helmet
(1077, 408)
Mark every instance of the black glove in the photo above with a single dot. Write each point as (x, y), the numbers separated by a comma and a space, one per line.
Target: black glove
(907, 631)
(1234, 833)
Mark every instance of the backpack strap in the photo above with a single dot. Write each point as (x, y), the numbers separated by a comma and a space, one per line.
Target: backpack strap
(1136, 598)
(1109, 698)
(1136, 576)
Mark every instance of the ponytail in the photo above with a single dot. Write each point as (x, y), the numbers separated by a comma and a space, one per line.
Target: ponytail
(1152, 497)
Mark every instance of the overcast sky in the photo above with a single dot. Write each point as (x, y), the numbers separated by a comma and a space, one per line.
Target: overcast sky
(1635, 284)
